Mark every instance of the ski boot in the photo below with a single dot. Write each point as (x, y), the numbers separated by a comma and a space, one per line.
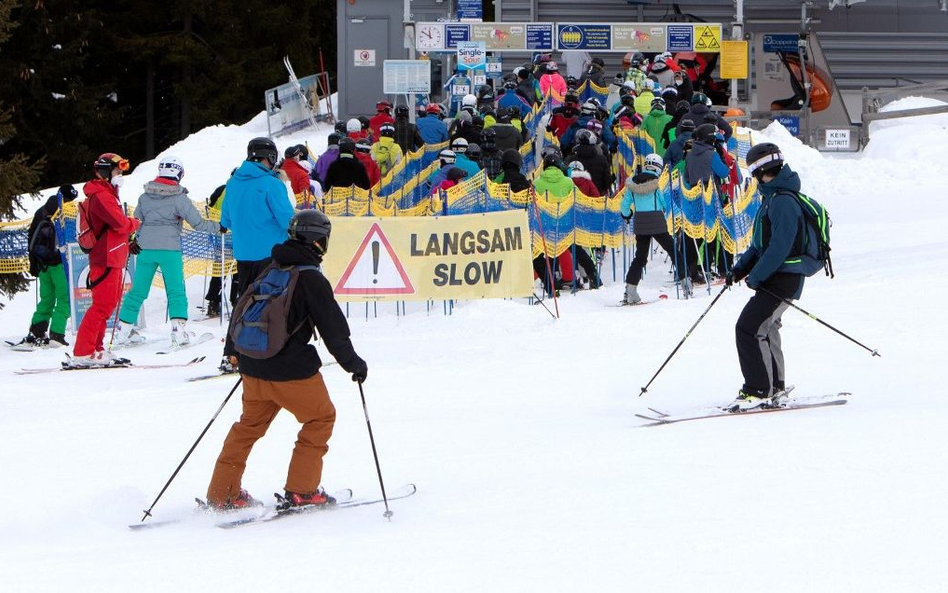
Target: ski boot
(228, 365)
(748, 401)
(57, 340)
(180, 336)
(317, 499)
(127, 334)
(243, 500)
(631, 296)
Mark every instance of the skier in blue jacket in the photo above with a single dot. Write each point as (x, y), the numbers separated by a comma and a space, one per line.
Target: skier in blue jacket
(777, 261)
(257, 211)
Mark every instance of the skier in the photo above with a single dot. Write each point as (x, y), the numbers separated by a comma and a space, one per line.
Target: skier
(648, 204)
(347, 170)
(430, 127)
(291, 378)
(676, 150)
(459, 146)
(511, 98)
(446, 160)
(326, 159)
(107, 260)
(654, 124)
(383, 115)
(491, 156)
(354, 130)
(214, 286)
(46, 265)
(407, 135)
(582, 180)
(556, 186)
(386, 153)
(700, 107)
(703, 163)
(596, 73)
(161, 210)
(363, 153)
(565, 115)
(588, 152)
(299, 177)
(506, 135)
(552, 83)
(257, 212)
(683, 85)
(511, 161)
(777, 260)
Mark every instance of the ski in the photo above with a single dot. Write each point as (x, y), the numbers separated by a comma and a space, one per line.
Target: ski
(203, 510)
(25, 346)
(275, 512)
(641, 303)
(837, 399)
(121, 363)
(206, 337)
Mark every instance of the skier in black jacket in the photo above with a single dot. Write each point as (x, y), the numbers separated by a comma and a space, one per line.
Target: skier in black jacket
(588, 152)
(511, 162)
(347, 170)
(406, 133)
(291, 379)
(46, 265)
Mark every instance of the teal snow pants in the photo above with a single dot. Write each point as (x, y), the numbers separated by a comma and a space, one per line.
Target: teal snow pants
(172, 273)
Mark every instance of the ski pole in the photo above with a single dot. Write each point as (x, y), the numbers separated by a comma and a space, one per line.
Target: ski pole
(818, 320)
(644, 389)
(387, 514)
(191, 450)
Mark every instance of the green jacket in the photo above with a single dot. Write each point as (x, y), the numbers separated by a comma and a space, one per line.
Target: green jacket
(654, 125)
(554, 181)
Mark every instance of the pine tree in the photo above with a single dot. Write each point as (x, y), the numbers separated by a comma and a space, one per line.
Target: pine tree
(19, 174)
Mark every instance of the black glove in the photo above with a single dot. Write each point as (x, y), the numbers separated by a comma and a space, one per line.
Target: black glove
(361, 372)
(134, 247)
(223, 229)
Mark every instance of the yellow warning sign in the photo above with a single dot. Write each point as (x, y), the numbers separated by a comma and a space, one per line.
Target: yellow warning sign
(734, 59)
(707, 38)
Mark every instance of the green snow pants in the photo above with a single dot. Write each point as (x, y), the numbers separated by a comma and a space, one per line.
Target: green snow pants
(172, 273)
(54, 299)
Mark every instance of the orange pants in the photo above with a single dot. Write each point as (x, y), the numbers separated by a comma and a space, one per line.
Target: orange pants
(308, 400)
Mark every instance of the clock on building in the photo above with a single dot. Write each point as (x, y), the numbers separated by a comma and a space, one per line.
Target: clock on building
(430, 36)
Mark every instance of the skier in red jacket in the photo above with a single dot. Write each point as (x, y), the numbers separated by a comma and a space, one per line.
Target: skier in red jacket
(107, 260)
(382, 117)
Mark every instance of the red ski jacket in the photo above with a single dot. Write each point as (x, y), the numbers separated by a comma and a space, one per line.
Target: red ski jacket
(105, 213)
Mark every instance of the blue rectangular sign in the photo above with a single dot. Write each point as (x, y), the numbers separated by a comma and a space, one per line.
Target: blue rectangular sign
(590, 37)
(540, 37)
(470, 10)
(791, 122)
(780, 43)
(680, 37)
(454, 34)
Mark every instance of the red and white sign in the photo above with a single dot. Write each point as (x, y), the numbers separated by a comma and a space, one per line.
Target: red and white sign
(374, 269)
(364, 57)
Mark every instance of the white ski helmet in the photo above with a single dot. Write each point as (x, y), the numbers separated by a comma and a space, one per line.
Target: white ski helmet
(653, 164)
(170, 167)
(469, 101)
(353, 126)
(459, 145)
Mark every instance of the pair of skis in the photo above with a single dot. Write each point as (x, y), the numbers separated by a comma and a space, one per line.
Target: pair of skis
(119, 363)
(657, 417)
(280, 510)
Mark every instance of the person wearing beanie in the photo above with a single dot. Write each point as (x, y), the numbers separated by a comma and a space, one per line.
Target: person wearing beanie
(162, 208)
(326, 159)
(670, 96)
(46, 241)
(676, 150)
(510, 162)
(643, 197)
(347, 170)
(671, 128)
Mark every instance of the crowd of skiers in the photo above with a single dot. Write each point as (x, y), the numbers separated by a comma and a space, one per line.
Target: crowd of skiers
(486, 133)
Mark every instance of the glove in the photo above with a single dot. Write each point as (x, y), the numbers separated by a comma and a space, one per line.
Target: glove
(751, 283)
(134, 247)
(729, 279)
(361, 372)
(223, 229)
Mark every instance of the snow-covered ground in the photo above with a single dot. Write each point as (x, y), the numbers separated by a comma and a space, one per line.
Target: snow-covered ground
(533, 473)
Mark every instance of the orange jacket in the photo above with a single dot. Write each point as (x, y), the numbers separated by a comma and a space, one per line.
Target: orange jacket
(105, 213)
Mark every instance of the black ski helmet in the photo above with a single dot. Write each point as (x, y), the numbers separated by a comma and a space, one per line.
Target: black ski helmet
(686, 125)
(297, 150)
(511, 156)
(346, 145)
(473, 151)
(700, 98)
(401, 111)
(705, 133)
(340, 128)
(310, 226)
(262, 148)
(764, 158)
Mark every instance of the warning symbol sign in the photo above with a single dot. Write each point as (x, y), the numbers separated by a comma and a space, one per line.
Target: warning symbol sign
(374, 269)
(707, 38)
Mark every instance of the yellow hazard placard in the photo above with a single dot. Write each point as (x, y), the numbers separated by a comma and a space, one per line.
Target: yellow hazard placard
(707, 38)
(418, 258)
(734, 59)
